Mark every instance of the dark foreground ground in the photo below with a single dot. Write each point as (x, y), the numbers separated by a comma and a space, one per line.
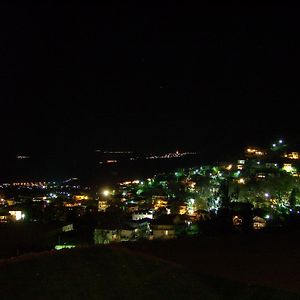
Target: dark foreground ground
(267, 259)
(117, 272)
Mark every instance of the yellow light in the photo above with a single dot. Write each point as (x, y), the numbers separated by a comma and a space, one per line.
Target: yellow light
(292, 155)
(192, 184)
(241, 181)
(255, 151)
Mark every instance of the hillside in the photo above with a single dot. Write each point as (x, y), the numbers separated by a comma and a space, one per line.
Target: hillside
(108, 273)
(267, 259)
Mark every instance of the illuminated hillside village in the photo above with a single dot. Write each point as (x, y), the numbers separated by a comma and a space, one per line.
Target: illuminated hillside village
(260, 191)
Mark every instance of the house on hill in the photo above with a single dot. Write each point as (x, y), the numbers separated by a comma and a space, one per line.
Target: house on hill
(12, 214)
(168, 227)
(5, 216)
(116, 234)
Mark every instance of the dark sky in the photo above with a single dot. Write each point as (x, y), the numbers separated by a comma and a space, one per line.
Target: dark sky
(117, 76)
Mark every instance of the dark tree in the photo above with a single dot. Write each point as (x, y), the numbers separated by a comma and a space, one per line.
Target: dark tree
(292, 198)
(224, 194)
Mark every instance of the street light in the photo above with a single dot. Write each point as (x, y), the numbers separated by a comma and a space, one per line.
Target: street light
(106, 193)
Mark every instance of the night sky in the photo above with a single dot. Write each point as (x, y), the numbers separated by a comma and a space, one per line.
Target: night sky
(158, 78)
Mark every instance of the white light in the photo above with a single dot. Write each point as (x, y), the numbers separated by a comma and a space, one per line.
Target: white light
(16, 214)
(280, 141)
(274, 145)
(105, 193)
(267, 216)
(267, 195)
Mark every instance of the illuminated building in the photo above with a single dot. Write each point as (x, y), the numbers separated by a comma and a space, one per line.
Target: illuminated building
(167, 227)
(255, 152)
(5, 217)
(139, 215)
(259, 223)
(289, 168)
(163, 232)
(17, 215)
(102, 205)
(159, 201)
(80, 197)
(183, 210)
(240, 167)
(292, 155)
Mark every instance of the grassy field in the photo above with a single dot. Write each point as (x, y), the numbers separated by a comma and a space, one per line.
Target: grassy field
(115, 273)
